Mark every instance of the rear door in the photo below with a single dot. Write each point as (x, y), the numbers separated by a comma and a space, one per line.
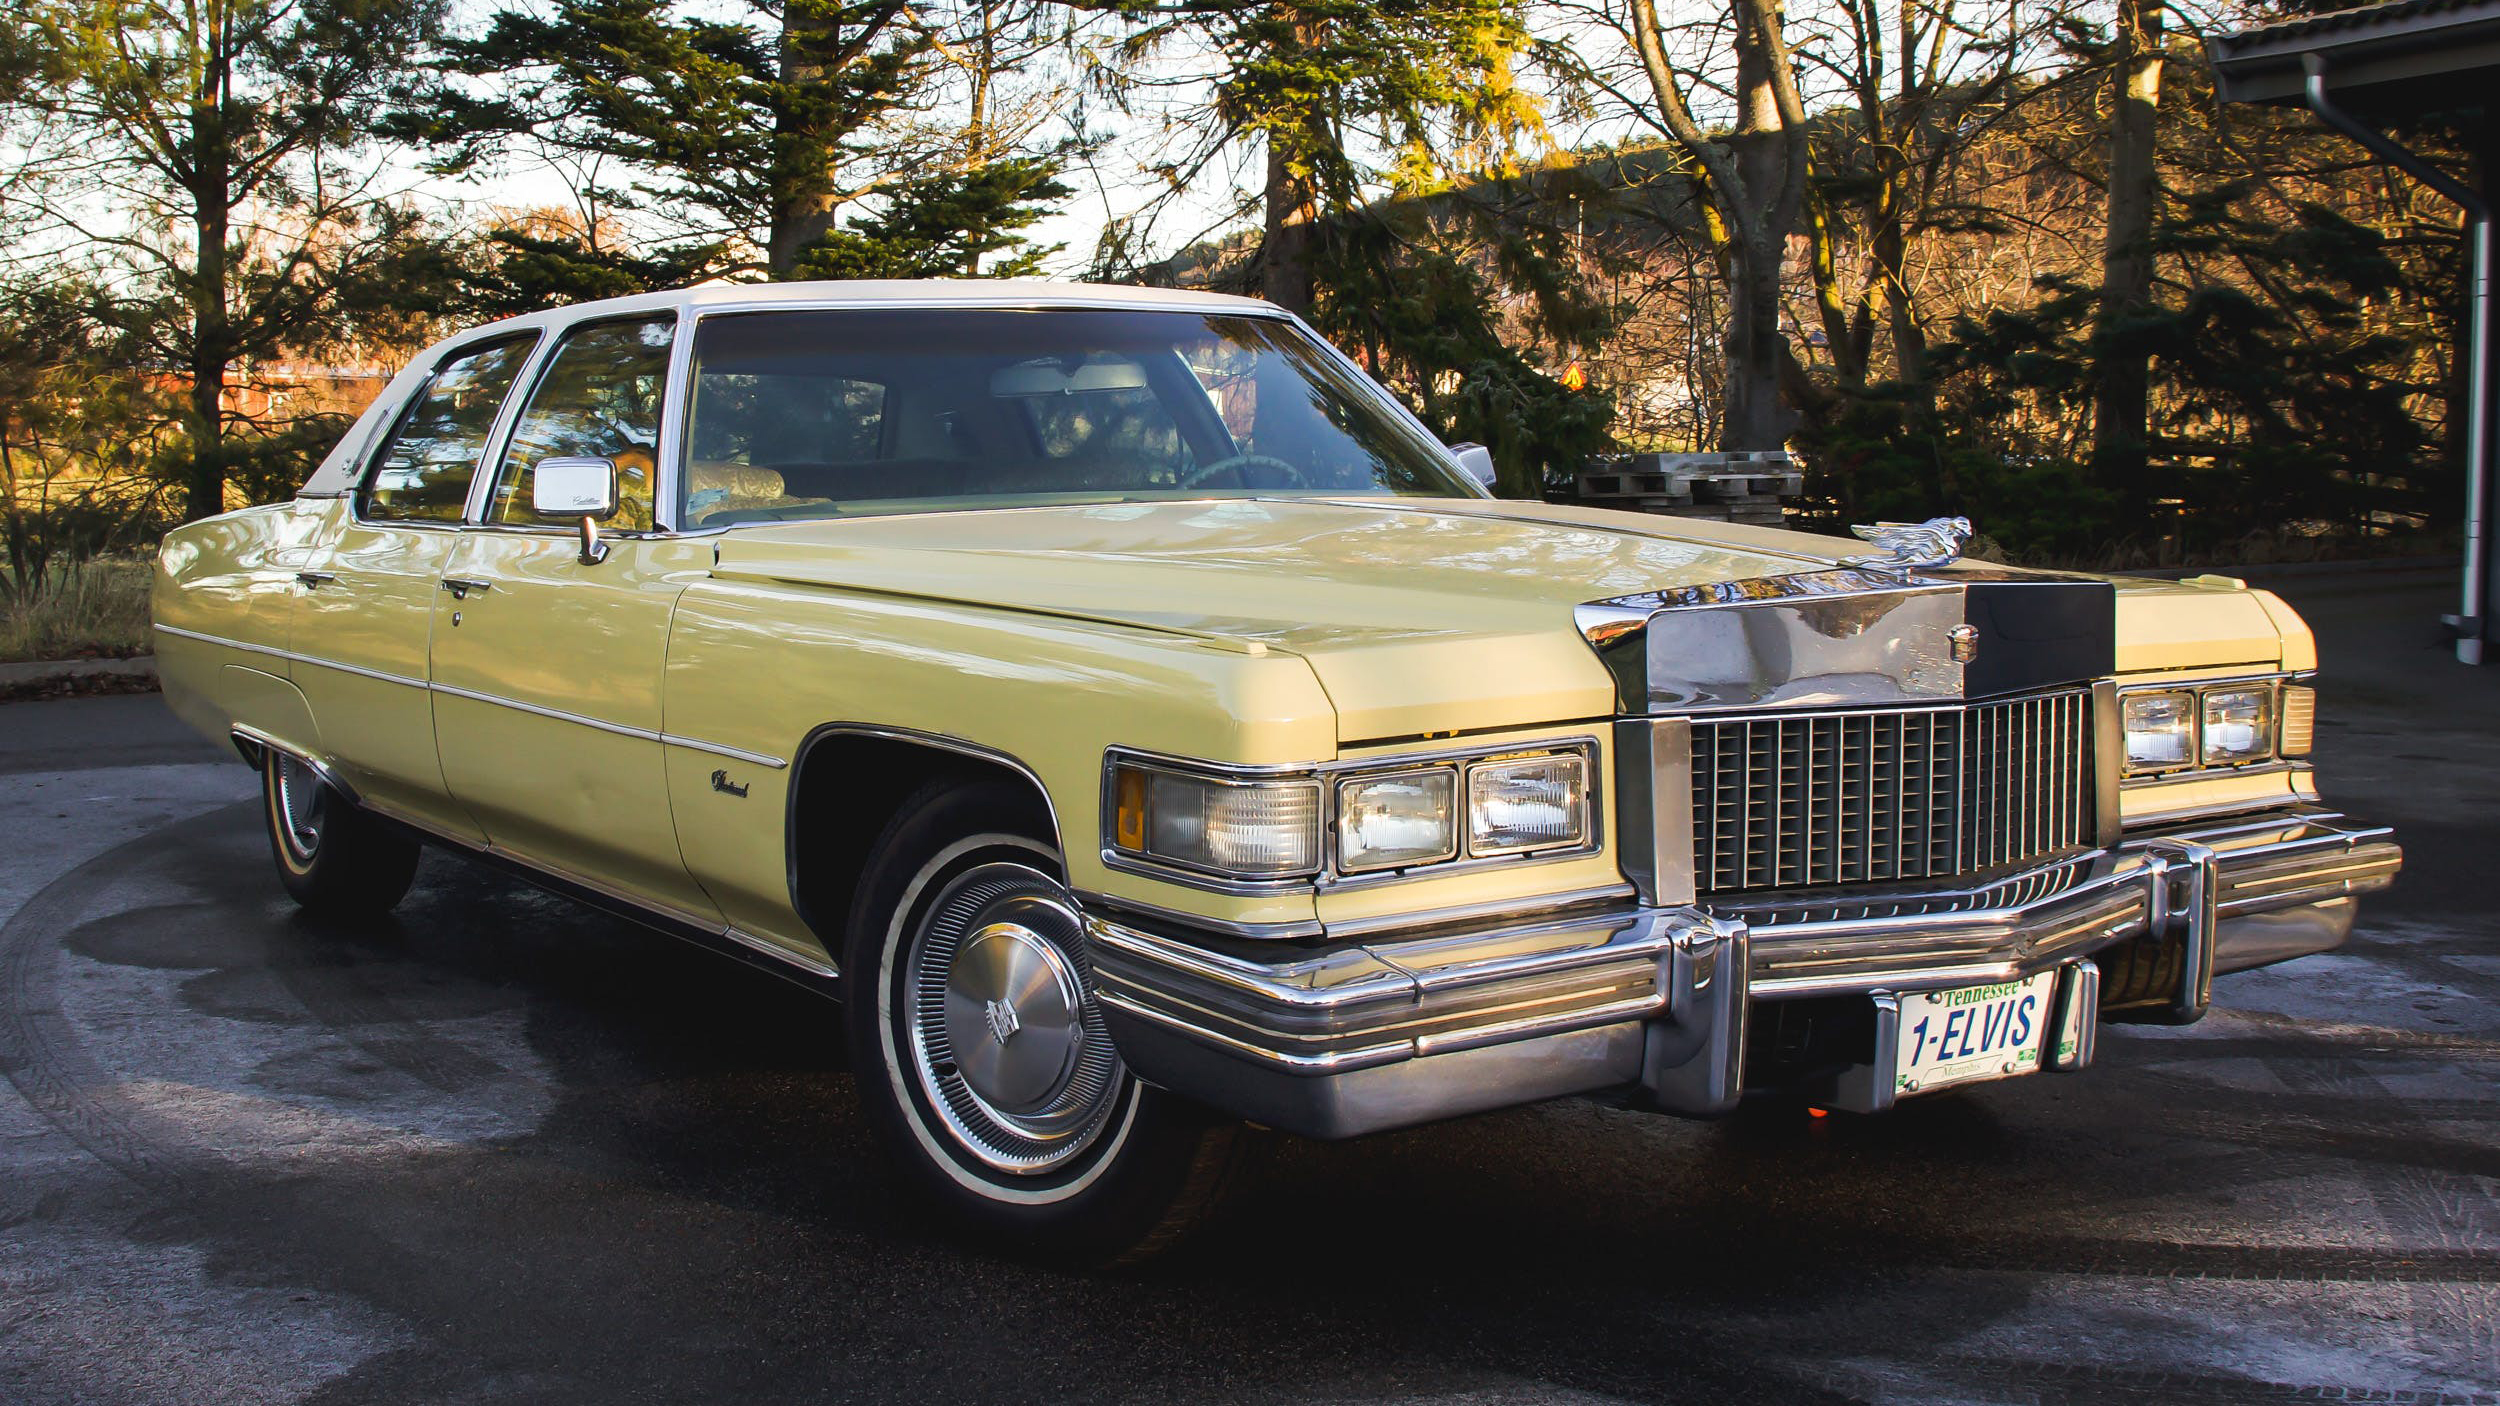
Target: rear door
(364, 623)
(546, 668)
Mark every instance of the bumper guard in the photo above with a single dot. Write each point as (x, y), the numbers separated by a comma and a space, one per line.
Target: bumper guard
(1338, 1039)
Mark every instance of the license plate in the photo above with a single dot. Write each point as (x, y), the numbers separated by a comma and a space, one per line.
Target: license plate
(1975, 1033)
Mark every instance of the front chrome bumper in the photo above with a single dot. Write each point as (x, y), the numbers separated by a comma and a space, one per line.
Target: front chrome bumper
(1338, 1039)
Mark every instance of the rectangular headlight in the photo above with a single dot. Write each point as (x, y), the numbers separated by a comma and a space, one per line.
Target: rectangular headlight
(1394, 820)
(1252, 828)
(1527, 804)
(2239, 725)
(2161, 730)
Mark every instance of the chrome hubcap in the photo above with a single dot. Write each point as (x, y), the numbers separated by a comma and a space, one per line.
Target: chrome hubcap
(1006, 1040)
(300, 807)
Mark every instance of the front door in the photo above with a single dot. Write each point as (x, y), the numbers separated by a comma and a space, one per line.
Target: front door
(546, 668)
(364, 619)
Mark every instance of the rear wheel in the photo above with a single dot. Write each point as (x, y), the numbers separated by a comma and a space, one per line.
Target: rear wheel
(981, 1053)
(333, 858)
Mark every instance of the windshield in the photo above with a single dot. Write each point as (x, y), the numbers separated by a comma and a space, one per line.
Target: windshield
(815, 414)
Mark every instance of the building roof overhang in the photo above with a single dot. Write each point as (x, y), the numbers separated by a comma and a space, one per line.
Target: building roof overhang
(2404, 56)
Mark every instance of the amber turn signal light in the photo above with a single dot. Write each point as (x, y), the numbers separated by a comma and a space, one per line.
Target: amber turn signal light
(1129, 824)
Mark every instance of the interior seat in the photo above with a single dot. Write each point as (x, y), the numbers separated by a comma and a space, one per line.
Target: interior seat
(719, 487)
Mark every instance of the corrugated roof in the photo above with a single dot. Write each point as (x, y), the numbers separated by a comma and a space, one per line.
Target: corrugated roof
(2394, 13)
(2408, 53)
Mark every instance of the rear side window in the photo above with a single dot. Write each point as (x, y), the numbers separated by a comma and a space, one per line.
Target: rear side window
(424, 470)
(599, 397)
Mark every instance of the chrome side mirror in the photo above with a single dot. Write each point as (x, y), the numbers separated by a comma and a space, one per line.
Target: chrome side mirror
(583, 488)
(1476, 461)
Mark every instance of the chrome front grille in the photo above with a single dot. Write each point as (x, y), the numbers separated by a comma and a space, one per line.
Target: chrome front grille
(1877, 797)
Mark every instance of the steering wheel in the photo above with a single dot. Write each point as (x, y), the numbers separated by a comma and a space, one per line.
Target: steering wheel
(1198, 477)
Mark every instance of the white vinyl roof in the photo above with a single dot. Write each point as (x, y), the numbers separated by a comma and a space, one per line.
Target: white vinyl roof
(917, 292)
(985, 291)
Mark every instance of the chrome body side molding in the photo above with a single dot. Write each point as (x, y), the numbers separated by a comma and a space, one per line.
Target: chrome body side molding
(819, 974)
(254, 744)
(816, 974)
(670, 739)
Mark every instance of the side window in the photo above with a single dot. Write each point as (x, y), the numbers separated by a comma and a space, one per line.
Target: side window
(762, 420)
(761, 442)
(600, 397)
(424, 470)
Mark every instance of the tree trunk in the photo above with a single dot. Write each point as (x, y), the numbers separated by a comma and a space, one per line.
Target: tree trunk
(802, 198)
(12, 517)
(1292, 204)
(212, 331)
(2122, 394)
(1891, 250)
(1755, 186)
(1848, 351)
(1755, 419)
(1292, 213)
(205, 493)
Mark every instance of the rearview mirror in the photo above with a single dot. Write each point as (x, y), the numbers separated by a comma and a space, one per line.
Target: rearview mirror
(1476, 460)
(583, 488)
(1047, 377)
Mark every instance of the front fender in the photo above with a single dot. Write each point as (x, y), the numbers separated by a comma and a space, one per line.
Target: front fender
(757, 666)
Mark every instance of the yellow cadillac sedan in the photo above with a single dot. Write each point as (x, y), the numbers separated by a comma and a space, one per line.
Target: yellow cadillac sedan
(1143, 726)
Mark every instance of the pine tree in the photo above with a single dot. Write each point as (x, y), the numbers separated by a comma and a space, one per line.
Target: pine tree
(1369, 117)
(748, 132)
(1349, 99)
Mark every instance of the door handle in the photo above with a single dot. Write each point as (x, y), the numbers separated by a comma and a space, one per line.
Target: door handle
(312, 580)
(460, 587)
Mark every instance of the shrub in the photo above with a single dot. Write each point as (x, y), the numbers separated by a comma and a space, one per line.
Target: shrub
(97, 608)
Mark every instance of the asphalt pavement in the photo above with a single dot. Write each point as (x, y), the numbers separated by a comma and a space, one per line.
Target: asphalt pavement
(503, 1148)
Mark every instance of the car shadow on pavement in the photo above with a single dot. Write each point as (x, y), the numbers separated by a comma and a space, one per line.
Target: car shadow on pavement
(501, 1145)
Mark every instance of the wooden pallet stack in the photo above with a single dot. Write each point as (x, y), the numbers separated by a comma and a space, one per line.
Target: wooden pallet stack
(1739, 487)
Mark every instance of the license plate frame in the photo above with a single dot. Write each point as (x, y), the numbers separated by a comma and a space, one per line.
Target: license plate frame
(1973, 1034)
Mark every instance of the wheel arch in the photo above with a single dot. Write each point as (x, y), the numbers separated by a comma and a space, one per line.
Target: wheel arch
(847, 782)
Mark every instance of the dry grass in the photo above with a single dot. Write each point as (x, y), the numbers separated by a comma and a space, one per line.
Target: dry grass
(97, 609)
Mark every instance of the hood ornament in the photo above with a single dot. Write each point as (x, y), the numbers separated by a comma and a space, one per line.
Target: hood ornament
(1907, 545)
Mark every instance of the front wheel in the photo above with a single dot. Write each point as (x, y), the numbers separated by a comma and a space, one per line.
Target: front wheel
(981, 1053)
(333, 858)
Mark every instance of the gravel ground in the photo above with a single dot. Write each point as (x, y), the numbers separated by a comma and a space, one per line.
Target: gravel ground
(504, 1148)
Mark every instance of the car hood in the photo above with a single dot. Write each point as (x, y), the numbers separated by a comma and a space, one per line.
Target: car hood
(1418, 615)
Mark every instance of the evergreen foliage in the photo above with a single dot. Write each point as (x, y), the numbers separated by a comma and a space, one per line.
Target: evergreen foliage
(2269, 411)
(950, 225)
(1369, 113)
(213, 188)
(746, 129)
(1424, 308)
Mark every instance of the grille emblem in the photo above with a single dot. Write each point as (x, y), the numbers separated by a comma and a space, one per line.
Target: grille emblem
(1965, 643)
